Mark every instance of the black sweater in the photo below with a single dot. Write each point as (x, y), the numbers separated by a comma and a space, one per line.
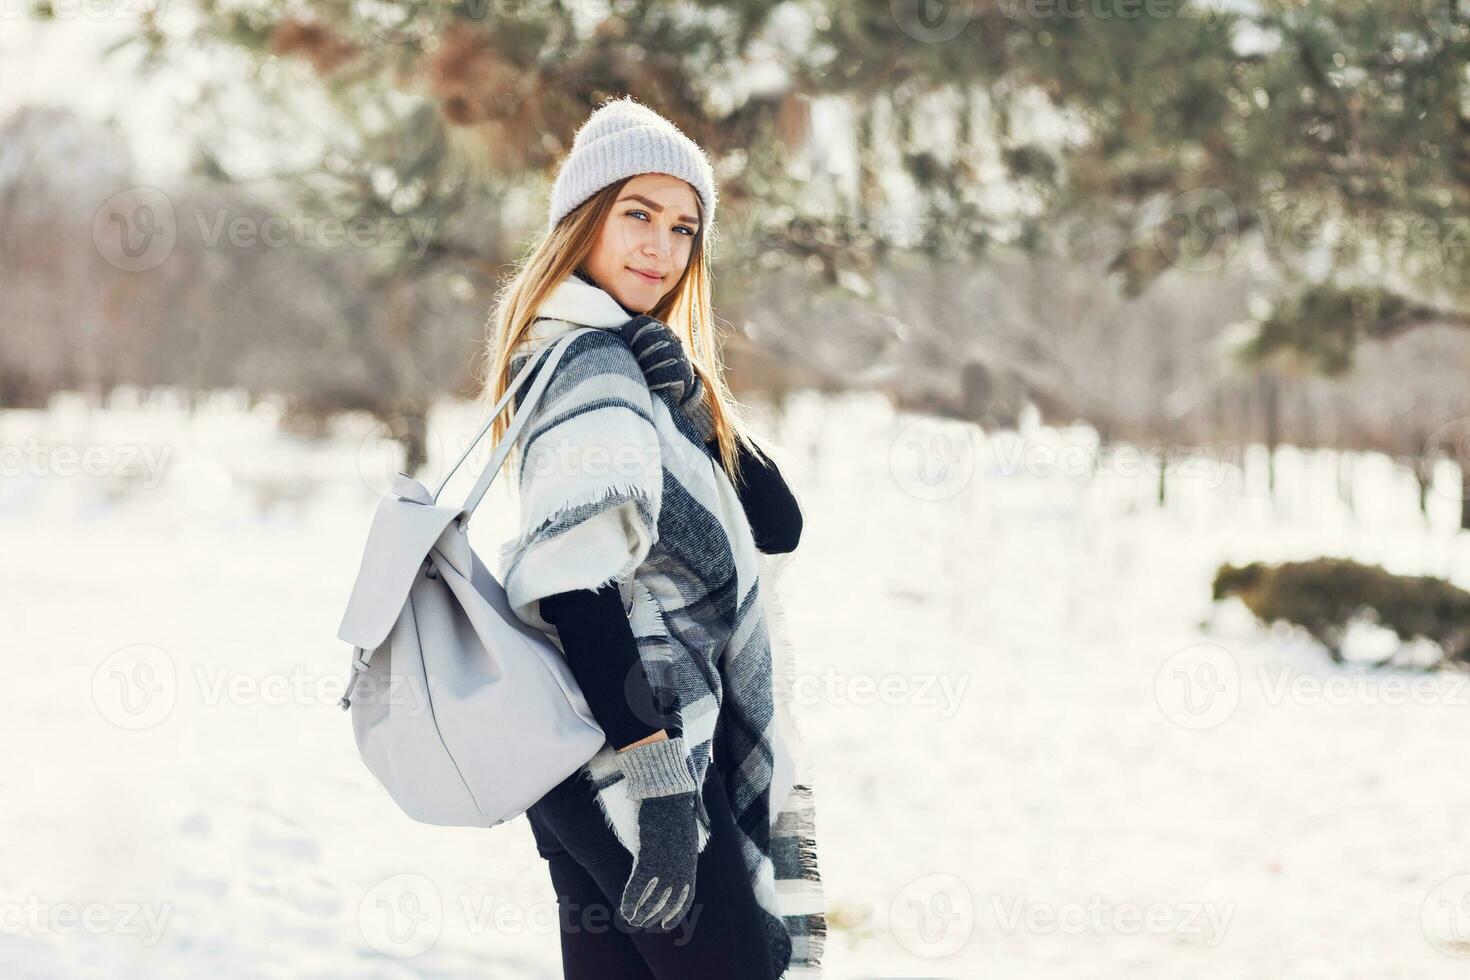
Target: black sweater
(598, 638)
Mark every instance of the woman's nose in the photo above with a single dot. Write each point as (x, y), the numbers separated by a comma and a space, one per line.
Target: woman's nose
(661, 242)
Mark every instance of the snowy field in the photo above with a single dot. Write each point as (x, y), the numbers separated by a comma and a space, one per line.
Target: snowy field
(1040, 752)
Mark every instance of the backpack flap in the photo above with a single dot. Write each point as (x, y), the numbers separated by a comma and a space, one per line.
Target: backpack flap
(404, 529)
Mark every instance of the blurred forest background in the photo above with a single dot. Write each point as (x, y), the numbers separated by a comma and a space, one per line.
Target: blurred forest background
(951, 236)
(1190, 223)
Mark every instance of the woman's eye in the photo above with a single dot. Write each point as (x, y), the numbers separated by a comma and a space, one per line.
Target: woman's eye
(637, 211)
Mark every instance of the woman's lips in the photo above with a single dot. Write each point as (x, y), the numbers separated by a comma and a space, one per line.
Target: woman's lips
(645, 276)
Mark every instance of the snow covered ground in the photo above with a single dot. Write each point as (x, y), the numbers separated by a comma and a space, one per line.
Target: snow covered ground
(1040, 752)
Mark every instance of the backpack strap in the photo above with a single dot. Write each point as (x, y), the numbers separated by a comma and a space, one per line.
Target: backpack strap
(551, 354)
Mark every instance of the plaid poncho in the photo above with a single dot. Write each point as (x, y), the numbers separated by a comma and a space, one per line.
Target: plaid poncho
(616, 487)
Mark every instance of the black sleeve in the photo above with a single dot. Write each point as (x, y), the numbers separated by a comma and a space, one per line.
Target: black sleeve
(775, 518)
(602, 655)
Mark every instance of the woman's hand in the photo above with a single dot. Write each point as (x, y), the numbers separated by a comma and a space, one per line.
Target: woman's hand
(660, 887)
(658, 736)
(668, 370)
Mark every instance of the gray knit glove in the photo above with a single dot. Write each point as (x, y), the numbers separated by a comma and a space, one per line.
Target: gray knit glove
(660, 888)
(668, 371)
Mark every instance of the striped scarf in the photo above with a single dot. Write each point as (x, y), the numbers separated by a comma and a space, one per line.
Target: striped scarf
(615, 486)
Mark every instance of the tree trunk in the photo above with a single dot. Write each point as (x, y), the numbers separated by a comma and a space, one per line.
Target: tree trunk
(1423, 477)
(411, 431)
(1464, 498)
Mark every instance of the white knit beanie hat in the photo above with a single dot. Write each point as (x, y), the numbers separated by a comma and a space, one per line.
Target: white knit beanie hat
(624, 138)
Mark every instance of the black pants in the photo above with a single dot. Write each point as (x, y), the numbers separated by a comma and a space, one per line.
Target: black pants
(721, 936)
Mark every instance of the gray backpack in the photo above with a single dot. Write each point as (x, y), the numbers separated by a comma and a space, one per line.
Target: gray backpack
(466, 715)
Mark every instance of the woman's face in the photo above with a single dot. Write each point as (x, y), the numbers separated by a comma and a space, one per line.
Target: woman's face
(646, 240)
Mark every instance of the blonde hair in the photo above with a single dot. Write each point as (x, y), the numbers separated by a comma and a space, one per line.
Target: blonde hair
(686, 309)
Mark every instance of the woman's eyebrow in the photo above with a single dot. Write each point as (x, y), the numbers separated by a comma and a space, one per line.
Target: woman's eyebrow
(657, 207)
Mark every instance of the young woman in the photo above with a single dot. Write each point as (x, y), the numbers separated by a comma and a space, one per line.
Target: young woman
(686, 846)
